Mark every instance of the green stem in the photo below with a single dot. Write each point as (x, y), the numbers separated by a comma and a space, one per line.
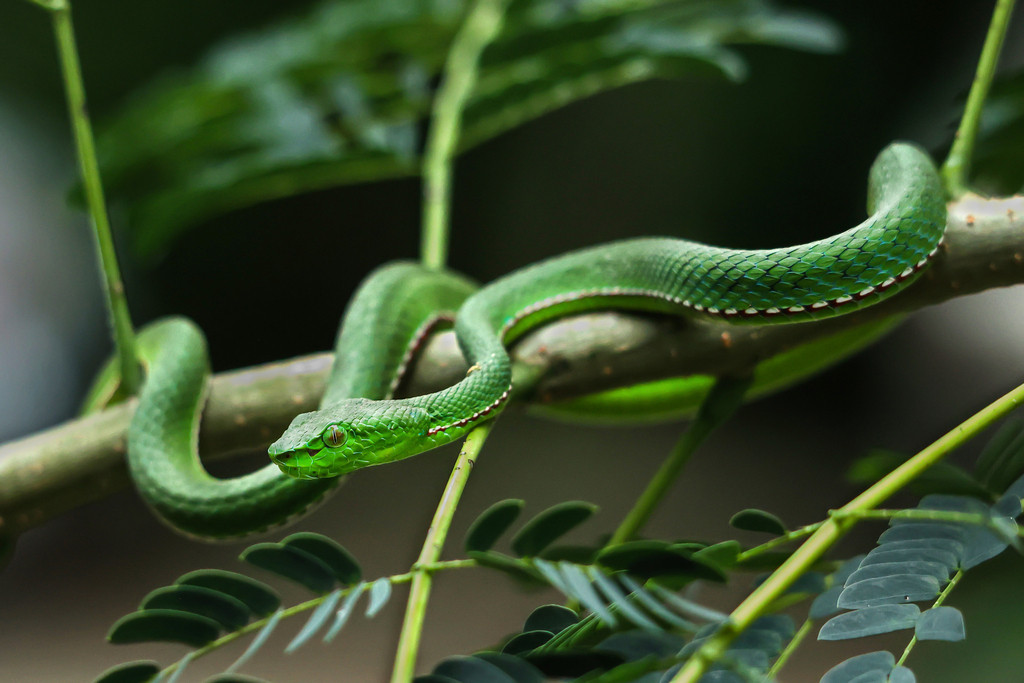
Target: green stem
(832, 530)
(938, 603)
(117, 304)
(776, 542)
(790, 648)
(720, 403)
(419, 593)
(481, 26)
(958, 164)
(300, 608)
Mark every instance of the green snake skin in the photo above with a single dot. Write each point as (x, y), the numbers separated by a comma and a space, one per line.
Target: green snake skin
(162, 438)
(830, 277)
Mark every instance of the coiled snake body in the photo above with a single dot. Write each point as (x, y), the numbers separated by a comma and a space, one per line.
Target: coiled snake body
(359, 424)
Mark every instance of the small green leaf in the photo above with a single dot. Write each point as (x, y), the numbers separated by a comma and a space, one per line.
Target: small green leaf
(769, 642)
(901, 531)
(380, 593)
(550, 525)
(941, 477)
(859, 665)
(758, 520)
(570, 664)
(647, 560)
(517, 669)
(691, 608)
(577, 554)
(257, 642)
(641, 595)
(870, 621)
(880, 555)
(291, 563)
(941, 623)
(471, 670)
(517, 569)
(345, 611)
(778, 623)
(141, 671)
(722, 554)
(550, 618)
(259, 597)
(164, 625)
(581, 590)
(902, 674)
(874, 571)
(949, 545)
(997, 448)
(771, 559)
(615, 597)
(234, 678)
(315, 622)
(526, 642)
(331, 553)
(491, 524)
(636, 644)
(229, 612)
(434, 678)
(826, 604)
(889, 590)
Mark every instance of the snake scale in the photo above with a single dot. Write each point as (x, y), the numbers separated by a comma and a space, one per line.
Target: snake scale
(360, 424)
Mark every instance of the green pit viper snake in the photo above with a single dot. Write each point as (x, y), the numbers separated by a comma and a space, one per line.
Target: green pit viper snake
(360, 424)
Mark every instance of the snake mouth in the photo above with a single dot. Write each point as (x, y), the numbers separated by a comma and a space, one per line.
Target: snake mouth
(297, 463)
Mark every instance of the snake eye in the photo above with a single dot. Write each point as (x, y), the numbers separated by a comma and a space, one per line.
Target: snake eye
(334, 436)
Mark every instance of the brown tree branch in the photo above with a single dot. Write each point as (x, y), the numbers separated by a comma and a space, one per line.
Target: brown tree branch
(83, 460)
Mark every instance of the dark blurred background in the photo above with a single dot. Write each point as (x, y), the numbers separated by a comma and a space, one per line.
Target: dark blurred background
(779, 159)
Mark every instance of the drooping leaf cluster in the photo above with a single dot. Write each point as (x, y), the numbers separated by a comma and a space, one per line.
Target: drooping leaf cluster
(342, 95)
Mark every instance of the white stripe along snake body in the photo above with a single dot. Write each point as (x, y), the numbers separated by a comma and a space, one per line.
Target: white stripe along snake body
(359, 424)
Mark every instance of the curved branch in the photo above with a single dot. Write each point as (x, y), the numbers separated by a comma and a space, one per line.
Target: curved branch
(83, 460)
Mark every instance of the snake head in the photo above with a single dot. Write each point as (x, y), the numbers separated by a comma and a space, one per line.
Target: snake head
(348, 436)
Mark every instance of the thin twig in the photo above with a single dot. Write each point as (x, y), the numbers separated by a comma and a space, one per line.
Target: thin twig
(117, 305)
(958, 164)
(422, 574)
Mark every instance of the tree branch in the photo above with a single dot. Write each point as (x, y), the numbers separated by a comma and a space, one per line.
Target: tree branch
(83, 460)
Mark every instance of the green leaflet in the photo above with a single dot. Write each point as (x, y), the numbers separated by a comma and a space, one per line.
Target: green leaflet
(257, 596)
(491, 524)
(130, 672)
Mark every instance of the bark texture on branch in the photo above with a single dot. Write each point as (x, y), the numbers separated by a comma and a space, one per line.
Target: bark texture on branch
(83, 460)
